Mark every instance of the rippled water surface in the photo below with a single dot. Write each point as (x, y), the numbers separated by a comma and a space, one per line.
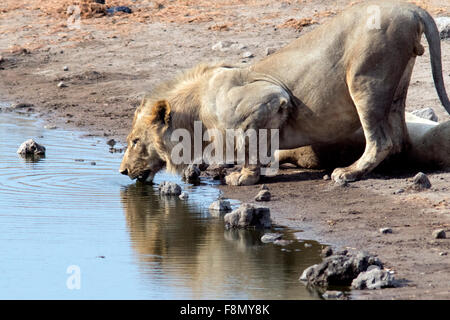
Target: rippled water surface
(126, 240)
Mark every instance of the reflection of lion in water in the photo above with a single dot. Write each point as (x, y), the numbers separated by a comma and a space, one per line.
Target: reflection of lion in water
(203, 257)
(324, 86)
(430, 146)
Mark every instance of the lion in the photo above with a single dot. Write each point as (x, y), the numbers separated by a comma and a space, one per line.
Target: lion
(430, 147)
(349, 73)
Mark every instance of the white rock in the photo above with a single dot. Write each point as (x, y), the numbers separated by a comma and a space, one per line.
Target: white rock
(222, 45)
(31, 147)
(247, 55)
(184, 196)
(220, 206)
(443, 24)
(426, 113)
(169, 189)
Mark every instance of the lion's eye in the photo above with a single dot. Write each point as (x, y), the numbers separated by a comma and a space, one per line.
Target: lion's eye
(135, 141)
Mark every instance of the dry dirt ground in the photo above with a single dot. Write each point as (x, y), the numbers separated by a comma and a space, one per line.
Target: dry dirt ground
(114, 60)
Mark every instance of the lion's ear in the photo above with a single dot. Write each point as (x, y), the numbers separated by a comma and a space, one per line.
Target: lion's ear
(160, 113)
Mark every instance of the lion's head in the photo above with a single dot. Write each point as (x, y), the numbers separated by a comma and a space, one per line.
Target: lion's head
(146, 154)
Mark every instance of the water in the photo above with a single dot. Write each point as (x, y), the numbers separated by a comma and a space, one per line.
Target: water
(126, 240)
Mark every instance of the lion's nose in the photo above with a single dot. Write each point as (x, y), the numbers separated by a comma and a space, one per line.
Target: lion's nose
(124, 172)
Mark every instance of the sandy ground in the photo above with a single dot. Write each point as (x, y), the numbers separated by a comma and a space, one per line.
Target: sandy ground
(114, 60)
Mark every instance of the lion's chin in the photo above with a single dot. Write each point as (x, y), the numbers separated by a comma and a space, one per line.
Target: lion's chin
(146, 176)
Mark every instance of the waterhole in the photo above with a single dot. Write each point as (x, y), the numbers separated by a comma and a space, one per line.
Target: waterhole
(71, 227)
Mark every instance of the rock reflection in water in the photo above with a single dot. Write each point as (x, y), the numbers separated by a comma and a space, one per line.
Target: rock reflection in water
(182, 247)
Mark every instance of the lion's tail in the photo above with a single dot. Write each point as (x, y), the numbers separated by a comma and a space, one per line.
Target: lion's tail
(434, 42)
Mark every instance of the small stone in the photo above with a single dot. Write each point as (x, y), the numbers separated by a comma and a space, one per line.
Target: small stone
(50, 127)
(385, 230)
(399, 191)
(263, 195)
(62, 85)
(270, 50)
(426, 113)
(443, 24)
(169, 189)
(191, 174)
(247, 55)
(271, 237)
(308, 245)
(248, 215)
(220, 206)
(222, 45)
(326, 252)
(111, 143)
(439, 234)
(184, 196)
(333, 295)
(22, 105)
(442, 253)
(66, 68)
(31, 148)
(326, 177)
(420, 182)
(93, 163)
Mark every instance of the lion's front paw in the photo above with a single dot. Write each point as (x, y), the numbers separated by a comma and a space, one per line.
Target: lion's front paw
(241, 178)
(343, 175)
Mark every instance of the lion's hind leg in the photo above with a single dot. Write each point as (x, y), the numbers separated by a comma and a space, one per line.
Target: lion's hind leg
(373, 110)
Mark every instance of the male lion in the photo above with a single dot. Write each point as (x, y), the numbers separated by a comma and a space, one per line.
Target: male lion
(349, 73)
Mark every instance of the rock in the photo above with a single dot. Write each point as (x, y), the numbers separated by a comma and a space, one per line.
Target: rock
(66, 68)
(426, 113)
(50, 127)
(31, 148)
(375, 278)
(264, 187)
(203, 166)
(62, 85)
(114, 10)
(385, 230)
(443, 24)
(308, 245)
(169, 189)
(421, 182)
(111, 143)
(222, 45)
(248, 215)
(333, 295)
(399, 191)
(271, 237)
(184, 196)
(191, 174)
(339, 269)
(443, 253)
(326, 177)
(326, 252)
(247, 55)
(270, 50)
(263, 195)
(22, 105)
(93, 163)
(439, 234)
(220, 206)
